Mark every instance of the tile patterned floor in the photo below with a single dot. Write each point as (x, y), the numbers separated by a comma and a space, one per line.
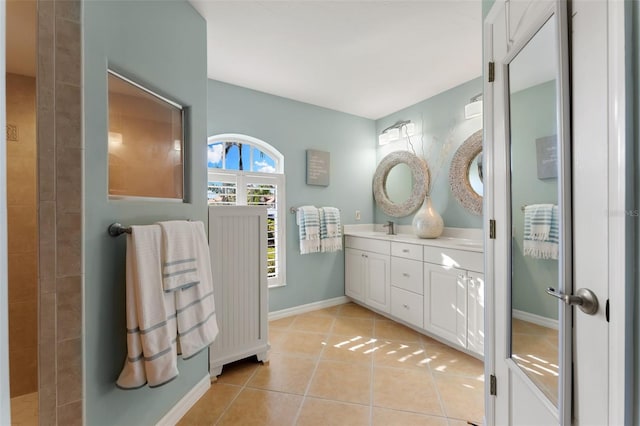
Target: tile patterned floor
(24, 410)
(346, 365)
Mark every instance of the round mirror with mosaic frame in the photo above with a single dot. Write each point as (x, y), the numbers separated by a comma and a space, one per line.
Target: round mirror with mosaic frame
(466, 165)
(419, 177)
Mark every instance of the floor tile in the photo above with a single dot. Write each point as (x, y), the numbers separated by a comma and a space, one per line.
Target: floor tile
(387, 417)
(462, 397)
(294, 342)
(239, 372)
(320, 412)
(313, 323)
(24, 410)
(342, 381)
(208, 409)
(445, 359)
(387, 329)
(353, 310)
(400, 355)
(282, 322)
(284, 373)
(256, 407)
(406, 390)
(354, 349)
(352, 327)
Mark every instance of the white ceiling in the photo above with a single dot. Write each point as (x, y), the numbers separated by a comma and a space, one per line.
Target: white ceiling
(368, 58)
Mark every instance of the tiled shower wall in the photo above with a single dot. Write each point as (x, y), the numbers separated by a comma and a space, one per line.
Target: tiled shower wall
(60, 153)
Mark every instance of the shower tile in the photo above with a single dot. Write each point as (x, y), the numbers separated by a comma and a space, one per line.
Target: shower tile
(22, 236)
(69, 312)
(68, 9)
(47, 222)
(70, 414)
(47, 267)
(67, 61)
(68, 117)
(21, 185)
(69, 377)
(24, 364)
(69, 181)
(23, 324)
(47, 405)
(68, 244)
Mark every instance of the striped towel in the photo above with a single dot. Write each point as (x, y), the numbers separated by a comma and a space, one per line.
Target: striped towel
(179, 265)
(541, 231)
(308, 219)
(330, 229)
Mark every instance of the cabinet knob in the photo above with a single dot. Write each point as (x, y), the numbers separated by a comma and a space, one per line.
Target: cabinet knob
(404, 305)
(405, 250)
(404, 274)
(461, 276)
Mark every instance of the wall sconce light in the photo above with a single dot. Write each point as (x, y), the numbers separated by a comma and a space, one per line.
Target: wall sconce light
(474, 107)
(397, 131)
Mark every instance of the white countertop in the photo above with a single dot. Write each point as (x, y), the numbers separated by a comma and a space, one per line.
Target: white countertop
(468, 239)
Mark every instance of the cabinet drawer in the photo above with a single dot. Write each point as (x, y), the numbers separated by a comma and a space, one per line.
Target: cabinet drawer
(409, 251)
(407, 274)
(461, 259)
(407, 306)
(368, 244)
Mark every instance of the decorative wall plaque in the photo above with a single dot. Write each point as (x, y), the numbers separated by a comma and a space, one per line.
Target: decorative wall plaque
(547, 155)
(318, 167)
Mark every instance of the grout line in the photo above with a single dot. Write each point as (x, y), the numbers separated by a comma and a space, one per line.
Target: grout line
(242, 388)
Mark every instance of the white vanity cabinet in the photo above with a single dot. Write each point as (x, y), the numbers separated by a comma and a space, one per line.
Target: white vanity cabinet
(406, 283)
(454, 296)
(367, 272)
(435, 287)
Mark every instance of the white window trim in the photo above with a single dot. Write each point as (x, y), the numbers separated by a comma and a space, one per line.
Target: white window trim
(242, 177)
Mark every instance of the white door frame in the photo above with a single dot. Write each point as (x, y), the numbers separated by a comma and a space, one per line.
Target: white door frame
(5, 401)
(620, 360)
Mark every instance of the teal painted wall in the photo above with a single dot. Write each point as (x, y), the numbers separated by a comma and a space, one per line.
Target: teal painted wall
(531, 276)
(439, 120)
(162, 45)
(292, 128)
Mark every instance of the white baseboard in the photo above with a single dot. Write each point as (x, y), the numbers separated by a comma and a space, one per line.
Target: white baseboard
(297, 310)
(189, 400)
(536, 319)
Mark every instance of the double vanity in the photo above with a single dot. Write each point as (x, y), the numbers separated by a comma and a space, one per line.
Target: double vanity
(435, 286)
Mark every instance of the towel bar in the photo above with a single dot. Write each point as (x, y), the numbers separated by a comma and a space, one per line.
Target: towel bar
(295, 210)
(117, 229)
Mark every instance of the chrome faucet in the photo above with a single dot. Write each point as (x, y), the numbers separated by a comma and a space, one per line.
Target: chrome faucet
(390, 225)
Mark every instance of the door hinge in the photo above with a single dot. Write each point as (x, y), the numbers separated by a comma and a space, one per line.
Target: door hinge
(492, 72)
(493, 385)
(606, 310)
(492, 229)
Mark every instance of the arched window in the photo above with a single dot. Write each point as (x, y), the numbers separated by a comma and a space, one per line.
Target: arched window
(247, 171)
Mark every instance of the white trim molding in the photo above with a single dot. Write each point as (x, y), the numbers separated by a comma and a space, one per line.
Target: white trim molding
(189, 400)
(620, 361)
(303, 309)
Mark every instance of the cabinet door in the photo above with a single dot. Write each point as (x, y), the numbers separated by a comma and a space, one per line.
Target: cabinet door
(377, 281)
(475, 314)
(354, 274)
(445, 302)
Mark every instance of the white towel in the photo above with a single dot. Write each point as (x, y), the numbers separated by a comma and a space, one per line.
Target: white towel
(179, 268)
(195, 305)
(330, 229)
(151, 325)
(541, 231)
(308, 219)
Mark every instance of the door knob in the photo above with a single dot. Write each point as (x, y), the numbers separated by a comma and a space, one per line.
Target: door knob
(584, 298)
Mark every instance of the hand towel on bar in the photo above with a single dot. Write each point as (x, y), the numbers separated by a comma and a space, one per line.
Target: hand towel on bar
(151, 324)
(330, 229)
(195, 305)
(178, 255)
(541, 231)
(308, 219)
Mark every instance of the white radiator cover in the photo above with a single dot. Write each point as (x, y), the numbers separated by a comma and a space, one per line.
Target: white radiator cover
(238, 249)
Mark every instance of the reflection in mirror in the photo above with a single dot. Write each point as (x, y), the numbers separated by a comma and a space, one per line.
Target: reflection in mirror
(475, 174)
(145, 143)
(534, 212)
(396, 186)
